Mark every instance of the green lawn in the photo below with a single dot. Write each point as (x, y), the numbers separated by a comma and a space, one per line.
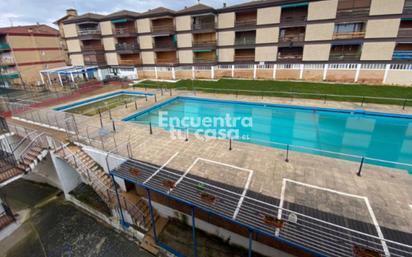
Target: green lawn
(352, 92)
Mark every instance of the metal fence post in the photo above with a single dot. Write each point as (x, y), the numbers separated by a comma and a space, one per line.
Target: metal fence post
(404, 104)
(155, 98)
(287, 153)
(123, 222)
(151, 214)
(360, 167)
(100, 115)
(194, 232)
(230, 144)
(145, 95)
(250, 244)
(150, 128)
(114, 126)
(135, 104)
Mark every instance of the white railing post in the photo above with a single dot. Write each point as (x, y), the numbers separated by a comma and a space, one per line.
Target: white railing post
(325, 71)
(233, 71)
(212, 72)
(193, 72)
(275, 67)
(136, 73)
(99, 74)
(302, 67)
(156, 75)
(41, 77)
(48, 76)
(385, 76)
(173, 73)
(358, 68)
(60, 78)
(254, 71)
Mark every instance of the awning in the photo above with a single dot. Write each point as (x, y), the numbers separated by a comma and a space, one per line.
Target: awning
(406, 19)
(120, 21)
(295, 5)
(202, 51)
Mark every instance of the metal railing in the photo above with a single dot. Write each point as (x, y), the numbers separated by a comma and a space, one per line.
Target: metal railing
(344, 56)
(245, 23)
(405, 32)
(292, 37)
(203, 26)
(204, 43)
(105, 192)
(165, 45)
(127, 47)
(402, 55)
(242, 41)
(348, 35)
(92, 48)
(163, 28)
(87, 32)
(124, 31)
(293, 18)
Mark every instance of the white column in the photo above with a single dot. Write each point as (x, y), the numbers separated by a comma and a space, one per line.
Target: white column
(233, 71)
(60, 78)
(325, 71)
(156, 72)
(254, 71)
(135, 72)
(87, 74)
(385, 76)
(173, 73)
(48, 76)
(358, 67)
(212, 72)
(193, 72)
(275, 67)
(41, 77)
(302, 67)
(71, 76)
(99, 74)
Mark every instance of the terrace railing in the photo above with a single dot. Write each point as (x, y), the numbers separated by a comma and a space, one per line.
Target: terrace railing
(348, 35)
(293, 37)
(163, 28)
(245, 23)
(203, 26)
(402, 55)
(344, 56)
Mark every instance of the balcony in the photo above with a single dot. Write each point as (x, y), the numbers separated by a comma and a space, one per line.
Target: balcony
(294, 13)
(92, 48)
(127, 48)
(4, 47)
(245, 20)
(402, 55)
(407, 9)
(7, 61)
(166, 61)
(290, 53)
(245, 23)
(9, 75)
(354, 13)
(203, 26)
(89, 34)
(292, 35)
(349, 35)
(244, 58)
(163, 29)
(202, 60)
(130, 62)
(98, 59)
(344, 56)
(125, 32)
(245, 41)
(163, 46)
(204, 43)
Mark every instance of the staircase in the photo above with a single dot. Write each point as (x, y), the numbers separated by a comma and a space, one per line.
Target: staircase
(5, 220)
(30, 158)
(94, 175)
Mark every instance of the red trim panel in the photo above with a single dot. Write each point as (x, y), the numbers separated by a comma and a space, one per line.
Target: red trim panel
(35, 63)
(32, 34)
(36, 49)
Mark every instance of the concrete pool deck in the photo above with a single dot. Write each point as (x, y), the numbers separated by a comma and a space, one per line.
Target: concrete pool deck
(380, 197)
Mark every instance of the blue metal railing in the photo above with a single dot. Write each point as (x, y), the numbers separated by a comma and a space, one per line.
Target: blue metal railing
(402, 55)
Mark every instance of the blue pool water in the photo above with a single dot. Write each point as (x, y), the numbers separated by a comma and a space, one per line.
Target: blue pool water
(373, 135)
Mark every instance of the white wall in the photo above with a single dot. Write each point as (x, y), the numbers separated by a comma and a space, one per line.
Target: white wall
(68, 177)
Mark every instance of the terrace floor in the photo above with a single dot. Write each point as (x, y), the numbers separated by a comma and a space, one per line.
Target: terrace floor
(381, 197)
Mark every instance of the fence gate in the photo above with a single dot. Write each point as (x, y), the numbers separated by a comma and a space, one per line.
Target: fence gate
(71, 128)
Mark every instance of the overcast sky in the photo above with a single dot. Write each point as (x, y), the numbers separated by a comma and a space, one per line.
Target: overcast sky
(23, 12)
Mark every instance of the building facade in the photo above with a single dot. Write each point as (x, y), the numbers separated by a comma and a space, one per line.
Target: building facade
(25, 51)
(325, 40)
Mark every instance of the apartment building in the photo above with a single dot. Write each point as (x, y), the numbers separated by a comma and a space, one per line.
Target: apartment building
(25, 51)
(332, 40)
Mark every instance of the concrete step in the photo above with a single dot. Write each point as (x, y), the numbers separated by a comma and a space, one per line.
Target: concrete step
(149, 245)
(6, 175)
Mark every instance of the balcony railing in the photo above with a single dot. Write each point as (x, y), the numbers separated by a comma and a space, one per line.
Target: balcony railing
(163, 28)
(89, 32)
(348, 35)
(166, 61)
(293, 37)
(293, 18)
(127, 47)
(402, 55)
(204, 43)
(4, 46)
(245, 23)
(244, 58)
(130, 62)
(124, 31)
(243, 41)
(203, 26)
(290, 57)
(92, 48)
(344, 56)
(204, 60)
(352, 13)
(164, 45)
(9, 75)
(7, 61)
(405, 32)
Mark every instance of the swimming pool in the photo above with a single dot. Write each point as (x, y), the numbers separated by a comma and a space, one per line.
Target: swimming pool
(382, 136)
(102, 102)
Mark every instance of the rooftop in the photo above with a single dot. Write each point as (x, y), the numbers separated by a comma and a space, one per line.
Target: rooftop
(30, 29)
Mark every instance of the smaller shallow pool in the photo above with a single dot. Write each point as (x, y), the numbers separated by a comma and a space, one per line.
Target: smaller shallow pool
(92, 106)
